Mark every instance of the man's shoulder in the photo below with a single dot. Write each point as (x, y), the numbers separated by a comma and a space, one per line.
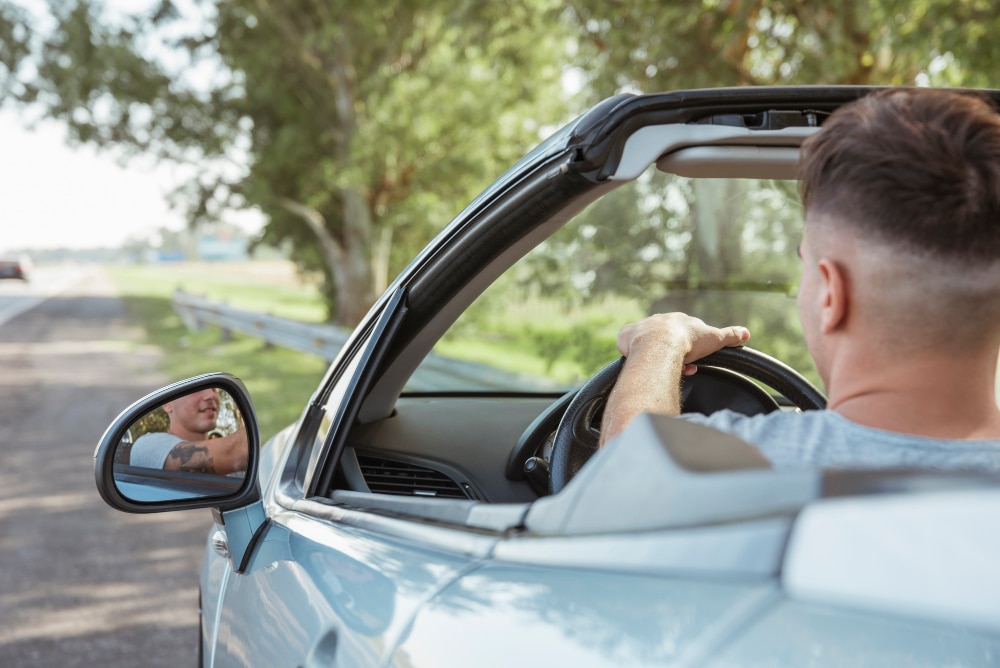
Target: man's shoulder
(157, 437)
(826, 439)
(151, 449)
(784, 437)
(779, 421)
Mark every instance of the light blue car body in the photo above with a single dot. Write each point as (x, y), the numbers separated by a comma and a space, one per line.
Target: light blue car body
(327, 586)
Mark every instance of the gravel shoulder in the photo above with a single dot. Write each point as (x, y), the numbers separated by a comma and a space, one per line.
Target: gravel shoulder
(80, 583)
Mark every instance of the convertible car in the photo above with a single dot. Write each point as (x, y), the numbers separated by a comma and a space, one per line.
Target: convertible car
(440, 501)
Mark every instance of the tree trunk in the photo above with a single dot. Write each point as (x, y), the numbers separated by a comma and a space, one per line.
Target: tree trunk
(348, 261)
(354, 276)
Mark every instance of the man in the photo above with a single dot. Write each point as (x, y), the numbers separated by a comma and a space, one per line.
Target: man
(899, 296)
(186, 446)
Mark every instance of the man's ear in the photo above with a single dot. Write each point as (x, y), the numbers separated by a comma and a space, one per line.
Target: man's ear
(834, 295)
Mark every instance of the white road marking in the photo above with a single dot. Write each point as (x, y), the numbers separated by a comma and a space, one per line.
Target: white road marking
(17, 297)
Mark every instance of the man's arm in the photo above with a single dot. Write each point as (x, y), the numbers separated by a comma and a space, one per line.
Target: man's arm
(220, 456)
(658, 351)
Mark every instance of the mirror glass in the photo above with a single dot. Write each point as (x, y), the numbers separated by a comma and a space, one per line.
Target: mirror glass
(193, 446)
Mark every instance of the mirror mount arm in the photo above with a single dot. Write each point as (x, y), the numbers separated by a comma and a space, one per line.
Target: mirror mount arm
(243, 527)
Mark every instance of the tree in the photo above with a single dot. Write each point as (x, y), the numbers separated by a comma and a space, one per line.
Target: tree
(648, 45)
(656, 45)
(651, 45)
(14, 50)
(355, 128)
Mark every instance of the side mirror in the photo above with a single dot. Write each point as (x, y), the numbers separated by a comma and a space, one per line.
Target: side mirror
(192, 444)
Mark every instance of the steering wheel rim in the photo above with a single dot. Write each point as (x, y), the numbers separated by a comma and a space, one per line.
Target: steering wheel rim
(576, 442)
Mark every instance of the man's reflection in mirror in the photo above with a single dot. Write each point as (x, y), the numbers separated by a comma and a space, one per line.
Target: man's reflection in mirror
(197, 440)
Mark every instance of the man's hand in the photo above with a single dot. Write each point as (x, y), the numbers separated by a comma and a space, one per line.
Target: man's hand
(658, 350)
(679, 332)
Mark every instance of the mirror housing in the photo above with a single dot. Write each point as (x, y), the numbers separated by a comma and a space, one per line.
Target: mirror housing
(152, 490)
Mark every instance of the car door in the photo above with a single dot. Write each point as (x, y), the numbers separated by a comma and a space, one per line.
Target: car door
(326, 584)
(318, 591)
(517, 614)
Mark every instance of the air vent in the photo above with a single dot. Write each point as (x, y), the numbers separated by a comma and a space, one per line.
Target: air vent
(387, 476)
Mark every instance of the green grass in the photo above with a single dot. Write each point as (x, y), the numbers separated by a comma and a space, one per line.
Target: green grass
(280, 381)
(264, 287)
(542, 337)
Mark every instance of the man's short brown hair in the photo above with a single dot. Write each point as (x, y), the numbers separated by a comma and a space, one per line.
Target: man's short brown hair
(917, 168)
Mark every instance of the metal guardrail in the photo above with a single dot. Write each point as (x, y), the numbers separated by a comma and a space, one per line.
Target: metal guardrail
(321, 340)
(325, 341)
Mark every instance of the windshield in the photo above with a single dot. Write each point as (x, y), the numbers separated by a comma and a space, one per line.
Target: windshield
(723, 250)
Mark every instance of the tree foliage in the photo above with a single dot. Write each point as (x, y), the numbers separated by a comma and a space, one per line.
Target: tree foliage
(355, 128)
(652, 45)
(706, 258)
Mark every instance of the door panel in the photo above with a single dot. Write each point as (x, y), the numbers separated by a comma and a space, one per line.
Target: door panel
(215, 573)
(802, 634)
(319, 591)
(507, 615)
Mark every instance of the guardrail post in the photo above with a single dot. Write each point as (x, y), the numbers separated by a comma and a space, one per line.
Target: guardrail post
(187, 315)
(227, 333)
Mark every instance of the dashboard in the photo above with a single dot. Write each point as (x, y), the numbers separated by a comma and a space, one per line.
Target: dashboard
(476, 446)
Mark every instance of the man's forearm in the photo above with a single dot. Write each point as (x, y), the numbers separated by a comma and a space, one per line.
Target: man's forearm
(650, 382)
(219, 455)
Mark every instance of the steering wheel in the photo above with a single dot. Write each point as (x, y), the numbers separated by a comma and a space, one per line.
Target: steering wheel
(576, 440)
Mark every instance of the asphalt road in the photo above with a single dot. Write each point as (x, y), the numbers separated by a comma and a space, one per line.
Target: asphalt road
(82, 584)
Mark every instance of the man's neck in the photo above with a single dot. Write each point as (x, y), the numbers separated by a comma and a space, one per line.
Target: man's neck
(937, 397)
(187, 435)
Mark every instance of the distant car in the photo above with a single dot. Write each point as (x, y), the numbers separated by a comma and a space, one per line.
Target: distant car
(432, 506)
(15, 267)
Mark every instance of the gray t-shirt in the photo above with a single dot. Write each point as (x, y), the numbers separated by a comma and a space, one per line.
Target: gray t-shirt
(826, 439)
(151, 450)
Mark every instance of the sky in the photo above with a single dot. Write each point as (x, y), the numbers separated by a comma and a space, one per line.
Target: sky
(53, 196)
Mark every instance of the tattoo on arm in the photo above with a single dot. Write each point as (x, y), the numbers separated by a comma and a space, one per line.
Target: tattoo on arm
(192, 458)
